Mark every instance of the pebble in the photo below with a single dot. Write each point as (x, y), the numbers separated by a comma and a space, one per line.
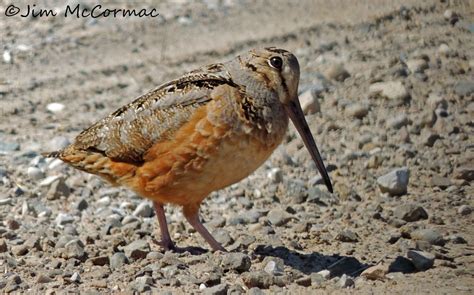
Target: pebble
(325, 274)
(421, 260)
(144, 209)
(304, 281)
(464, 88)
(347, 236)
(63, 218)
(7, 57)
(75, 278)
(376, 272)
(100, 260)
(395, 182)
(236, 261)
(104, 201)
(20, 250)
(55, 107)
(464, 210)
(401, 264)
(345, 281)
(439, 181)
(275, 175)
(35, 173)
(429, 235)
(259, 279)
(357, 110)
(5, 201)
(118, 260)
(410, 212)
(394, 90)
(137, 249)
(222, 236)
(74, 249)
(428, 138)
(57, 189)
(309, 102)
(220, 289)
(278, 217)
(337, 72)
(80, 205)
(436, 100)
(43, 279)
(444, 49)
(274, 267)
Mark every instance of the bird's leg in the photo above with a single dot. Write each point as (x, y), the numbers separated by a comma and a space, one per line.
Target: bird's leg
(191, 212)
(166, 241)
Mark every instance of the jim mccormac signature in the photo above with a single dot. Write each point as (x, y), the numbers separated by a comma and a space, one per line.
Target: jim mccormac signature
(79, 11)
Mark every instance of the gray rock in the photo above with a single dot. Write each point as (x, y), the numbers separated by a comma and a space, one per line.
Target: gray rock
(63, 218)
(258, 279)
(345, 281)
(75, 249)
(321, 197)
(347, 236)
(144, 209)
(444, 49)
(401, 264)
(81, 204)
(274, 266)
(393, 90)
(236, 261)
(220, 289)
(464, 88)
(278, 217)
(75, 278)
(222, 236)
(357, 110)
(137, 249)
(422, 260)
(410, 212)
(144, 280)
(464, 210)
(275, 175)
(439, 181)
(395, 182)
(57, 189)
(429, 235)
(118, 260)
(309, 102)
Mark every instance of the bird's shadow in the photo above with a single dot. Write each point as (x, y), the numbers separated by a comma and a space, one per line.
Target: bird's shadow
(314, 262)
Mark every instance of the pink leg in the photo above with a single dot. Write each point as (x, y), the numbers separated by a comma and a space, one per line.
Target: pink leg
(166, 241)
(192, 216)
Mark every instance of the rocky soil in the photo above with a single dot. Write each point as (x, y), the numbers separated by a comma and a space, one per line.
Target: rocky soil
(388, 91)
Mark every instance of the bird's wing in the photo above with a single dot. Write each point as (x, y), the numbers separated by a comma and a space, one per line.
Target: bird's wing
(126, 134)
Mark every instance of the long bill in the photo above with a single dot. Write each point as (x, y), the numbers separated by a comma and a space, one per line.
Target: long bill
(296, 115)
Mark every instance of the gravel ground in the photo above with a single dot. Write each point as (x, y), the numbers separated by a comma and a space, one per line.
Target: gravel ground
(388, 91)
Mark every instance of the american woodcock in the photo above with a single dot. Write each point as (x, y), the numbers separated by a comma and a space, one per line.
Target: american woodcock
(199, 133)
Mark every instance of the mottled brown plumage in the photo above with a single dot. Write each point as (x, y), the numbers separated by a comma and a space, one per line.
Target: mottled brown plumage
(196, 134)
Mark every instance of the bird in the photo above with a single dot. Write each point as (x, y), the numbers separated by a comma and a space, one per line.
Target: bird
(197, 134)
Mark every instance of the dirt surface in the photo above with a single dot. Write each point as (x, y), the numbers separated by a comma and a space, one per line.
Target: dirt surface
(391, 84)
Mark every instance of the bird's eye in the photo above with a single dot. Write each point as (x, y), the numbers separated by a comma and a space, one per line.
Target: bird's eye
(276, 62)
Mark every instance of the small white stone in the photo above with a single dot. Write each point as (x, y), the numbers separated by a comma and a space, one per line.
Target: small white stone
(444, 49)
(35, 173)
(7, 57)
(55, 107)
(276, 175)
(105, 201)
(48, 180)
(202, 286)
(326, 274)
